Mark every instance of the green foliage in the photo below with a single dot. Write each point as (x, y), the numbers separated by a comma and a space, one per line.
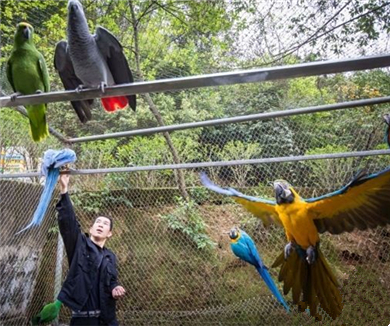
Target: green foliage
(366, 20)
(21, 143)
(237, 150)
(90, 202)
(186, 38)
(199, 194)
(97, 154)
(307, 92)
(187, 219)
(95, 202)
(328, 173)
(55, 229)
(143, 151)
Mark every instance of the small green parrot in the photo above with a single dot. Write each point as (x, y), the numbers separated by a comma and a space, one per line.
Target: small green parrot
(47, 314)
(27, 74)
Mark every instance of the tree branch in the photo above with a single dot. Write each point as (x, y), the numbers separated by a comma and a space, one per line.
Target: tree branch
(178, 173)
(297, 47)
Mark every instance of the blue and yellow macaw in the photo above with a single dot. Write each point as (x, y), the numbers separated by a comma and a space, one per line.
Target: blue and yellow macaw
(386, 117)
(361, 204)
(244, 247)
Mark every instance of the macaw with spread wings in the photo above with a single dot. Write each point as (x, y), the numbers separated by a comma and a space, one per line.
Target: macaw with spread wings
(361, 204)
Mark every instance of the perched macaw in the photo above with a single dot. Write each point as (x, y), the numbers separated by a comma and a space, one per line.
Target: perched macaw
(362, 203)
(47, 314)
(386, 117)
(243, 247)
(91, 61)
(27, 74)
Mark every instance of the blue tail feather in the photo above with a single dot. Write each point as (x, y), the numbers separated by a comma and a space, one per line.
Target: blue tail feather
(272, 286)
(52, 161)
(44, 201)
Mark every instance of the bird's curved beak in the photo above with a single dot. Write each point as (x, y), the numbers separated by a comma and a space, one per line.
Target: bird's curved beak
(26, 33)
(283, 194)
(72, 5)
(279, 190)
(386, 117)
(233, 234)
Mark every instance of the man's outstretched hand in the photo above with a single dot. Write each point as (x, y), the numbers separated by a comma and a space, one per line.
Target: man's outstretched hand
(64, 181)
(118, 292)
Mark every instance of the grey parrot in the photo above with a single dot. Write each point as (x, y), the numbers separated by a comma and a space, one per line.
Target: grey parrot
(91, 61)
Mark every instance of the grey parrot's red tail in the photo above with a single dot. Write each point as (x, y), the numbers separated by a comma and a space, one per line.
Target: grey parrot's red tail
(111, 104)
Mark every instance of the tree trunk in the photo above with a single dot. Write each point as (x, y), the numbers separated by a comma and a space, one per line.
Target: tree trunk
(178, 173)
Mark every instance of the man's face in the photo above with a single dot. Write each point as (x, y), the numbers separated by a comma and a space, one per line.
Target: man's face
(101, 228)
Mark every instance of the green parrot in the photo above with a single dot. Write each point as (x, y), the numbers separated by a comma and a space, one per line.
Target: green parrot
(27, 74)
(48, 313)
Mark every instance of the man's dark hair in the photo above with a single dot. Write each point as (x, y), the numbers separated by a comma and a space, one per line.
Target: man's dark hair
(106, 216)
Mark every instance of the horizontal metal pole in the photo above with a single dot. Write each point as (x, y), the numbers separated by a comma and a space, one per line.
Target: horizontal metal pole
(245, 118)
(218, 79)
(282, 159)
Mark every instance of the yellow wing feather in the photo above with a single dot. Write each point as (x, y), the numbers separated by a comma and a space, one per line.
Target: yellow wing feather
(365, 203)
(262, 208)
(264, 211)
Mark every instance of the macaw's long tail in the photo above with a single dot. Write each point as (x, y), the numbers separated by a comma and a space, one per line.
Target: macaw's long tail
(44, 201)
(38, 123)
(111, 104)
(272, 286)
(316, 282)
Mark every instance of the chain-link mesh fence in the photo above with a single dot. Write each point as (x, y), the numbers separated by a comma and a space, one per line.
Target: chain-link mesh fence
(173, 255)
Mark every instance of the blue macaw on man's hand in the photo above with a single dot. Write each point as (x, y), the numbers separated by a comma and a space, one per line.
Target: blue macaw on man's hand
(244, 247)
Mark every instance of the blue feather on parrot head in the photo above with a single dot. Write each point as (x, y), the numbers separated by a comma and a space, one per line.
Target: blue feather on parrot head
(283, 192)
(234, 233)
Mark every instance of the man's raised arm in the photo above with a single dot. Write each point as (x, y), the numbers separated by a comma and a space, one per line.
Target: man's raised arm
(69, 227)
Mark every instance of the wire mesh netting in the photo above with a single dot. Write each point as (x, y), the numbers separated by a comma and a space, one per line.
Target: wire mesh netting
(174, 257)
(173, 253)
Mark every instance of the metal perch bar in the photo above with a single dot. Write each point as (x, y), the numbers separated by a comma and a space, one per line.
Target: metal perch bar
(245, 118)
(208, 164)
(218, 79)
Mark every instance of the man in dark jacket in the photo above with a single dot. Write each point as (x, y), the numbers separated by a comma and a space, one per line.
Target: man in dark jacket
(91, 286)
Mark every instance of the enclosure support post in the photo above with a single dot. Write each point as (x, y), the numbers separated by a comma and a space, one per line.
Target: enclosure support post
(58, 272)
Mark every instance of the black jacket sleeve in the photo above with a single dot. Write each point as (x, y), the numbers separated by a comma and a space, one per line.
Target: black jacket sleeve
(114, 280)
(69, 227)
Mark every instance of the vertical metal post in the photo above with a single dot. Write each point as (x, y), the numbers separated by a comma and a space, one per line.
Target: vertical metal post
(58, 272)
